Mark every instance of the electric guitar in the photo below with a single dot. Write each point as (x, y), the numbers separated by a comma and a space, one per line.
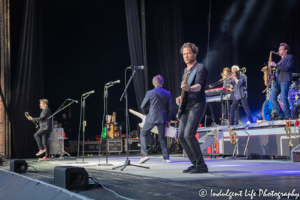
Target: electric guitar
(35, 123)
(182, 98)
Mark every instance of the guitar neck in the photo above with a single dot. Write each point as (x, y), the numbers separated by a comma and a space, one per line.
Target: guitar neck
(183, 92)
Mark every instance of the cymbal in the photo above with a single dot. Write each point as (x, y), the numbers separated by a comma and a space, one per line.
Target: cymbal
(296, 74)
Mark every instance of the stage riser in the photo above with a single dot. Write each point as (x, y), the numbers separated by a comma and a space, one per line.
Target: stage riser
(263, 141)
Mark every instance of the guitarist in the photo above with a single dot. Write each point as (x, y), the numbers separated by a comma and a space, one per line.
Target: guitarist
(193, 107)
(42, 135)
(158, 106)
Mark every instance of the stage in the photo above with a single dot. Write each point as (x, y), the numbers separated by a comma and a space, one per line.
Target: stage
(166, 180)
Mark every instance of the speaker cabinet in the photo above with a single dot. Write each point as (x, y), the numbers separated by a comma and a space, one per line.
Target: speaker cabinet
(70, 177)
(18, 166)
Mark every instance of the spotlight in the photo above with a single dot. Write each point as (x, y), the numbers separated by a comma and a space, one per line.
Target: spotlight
(248, 122)
(19, 166)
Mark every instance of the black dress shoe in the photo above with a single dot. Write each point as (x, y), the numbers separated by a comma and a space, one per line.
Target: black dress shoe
(198, 170)
(189, 169)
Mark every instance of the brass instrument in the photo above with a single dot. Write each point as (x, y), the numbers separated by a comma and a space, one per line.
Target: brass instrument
(243, 70)
(267, 70)
(35, 123)
(232, 134)
(288, 130)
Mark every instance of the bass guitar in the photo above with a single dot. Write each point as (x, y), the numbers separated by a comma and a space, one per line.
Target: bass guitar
(182, 98)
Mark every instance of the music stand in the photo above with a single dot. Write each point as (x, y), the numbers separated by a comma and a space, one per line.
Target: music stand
(125, 95)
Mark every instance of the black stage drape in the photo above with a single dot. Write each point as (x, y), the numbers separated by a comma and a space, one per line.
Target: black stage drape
(135, 48)
(27, 83)
(169, 39)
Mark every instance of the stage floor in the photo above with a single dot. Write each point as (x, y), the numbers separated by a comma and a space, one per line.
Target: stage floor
(166, 180)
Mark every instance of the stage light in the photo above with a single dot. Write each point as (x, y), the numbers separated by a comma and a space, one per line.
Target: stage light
(297, 123)
(248, 122)
(18, 166)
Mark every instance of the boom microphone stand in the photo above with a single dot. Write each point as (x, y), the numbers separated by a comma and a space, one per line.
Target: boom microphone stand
(125, 94)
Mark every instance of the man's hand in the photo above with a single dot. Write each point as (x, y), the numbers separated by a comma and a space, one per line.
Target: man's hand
(178, 100)
(29, 118)
(168, 124)
(185, 86)
(271, 63)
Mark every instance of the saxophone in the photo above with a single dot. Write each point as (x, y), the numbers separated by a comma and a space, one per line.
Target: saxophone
(288, 130)
(215, 138)
(267, 70)
(232, 134)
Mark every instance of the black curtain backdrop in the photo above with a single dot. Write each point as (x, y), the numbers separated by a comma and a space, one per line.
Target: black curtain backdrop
(27, 84)
(135, 48)
(169, 39)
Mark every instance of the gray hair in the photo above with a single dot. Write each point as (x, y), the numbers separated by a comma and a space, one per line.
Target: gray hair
(235, 67)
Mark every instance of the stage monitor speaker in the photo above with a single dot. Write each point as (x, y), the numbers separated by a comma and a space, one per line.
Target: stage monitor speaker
(70, 177)
(18, 166)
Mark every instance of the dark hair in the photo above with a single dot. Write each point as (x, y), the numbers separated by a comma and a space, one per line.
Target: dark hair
(193, 47)
(286, 47)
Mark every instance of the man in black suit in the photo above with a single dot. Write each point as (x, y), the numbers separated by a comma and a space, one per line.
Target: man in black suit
(158, 106)
(194, 108)
(283, 80)
(42, 135)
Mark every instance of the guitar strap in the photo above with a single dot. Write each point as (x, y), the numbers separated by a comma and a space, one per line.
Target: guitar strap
(160, 99)
(192, 74)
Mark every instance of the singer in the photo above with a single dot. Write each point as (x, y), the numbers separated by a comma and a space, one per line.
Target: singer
(42, 135)
(158, 106)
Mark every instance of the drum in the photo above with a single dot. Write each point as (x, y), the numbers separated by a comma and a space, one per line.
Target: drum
(268, 110)
(293, 99)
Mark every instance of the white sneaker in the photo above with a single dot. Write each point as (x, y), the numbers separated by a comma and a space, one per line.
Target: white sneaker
(167, 161)
(143, 160)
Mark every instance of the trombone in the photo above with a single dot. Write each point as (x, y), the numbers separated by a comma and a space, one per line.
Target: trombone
(243, 70)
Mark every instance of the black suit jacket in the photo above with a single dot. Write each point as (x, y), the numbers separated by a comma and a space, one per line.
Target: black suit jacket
(285, 69)
(153, 108)
(45, 123)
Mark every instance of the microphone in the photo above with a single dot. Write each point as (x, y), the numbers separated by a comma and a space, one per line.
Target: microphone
(73, 100)
(112, 82)
(87, 93)
(136, 67)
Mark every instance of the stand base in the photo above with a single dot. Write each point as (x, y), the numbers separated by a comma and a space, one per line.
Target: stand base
(64, 158)
(107, 164)
(127, 163)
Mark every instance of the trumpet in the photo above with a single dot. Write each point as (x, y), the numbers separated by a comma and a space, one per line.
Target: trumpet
(242, 70)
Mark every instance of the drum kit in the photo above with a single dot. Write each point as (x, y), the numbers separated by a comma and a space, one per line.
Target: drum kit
(268, 111)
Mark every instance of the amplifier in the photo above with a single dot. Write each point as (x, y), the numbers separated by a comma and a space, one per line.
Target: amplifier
(114, 146)
(56, 140)
(133, 144)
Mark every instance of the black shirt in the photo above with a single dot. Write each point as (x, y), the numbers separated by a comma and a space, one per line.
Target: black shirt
(200, 78)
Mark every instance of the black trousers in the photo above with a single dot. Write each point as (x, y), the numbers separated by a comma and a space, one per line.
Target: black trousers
(161, 137)
(41, 138)
(234, 106)
(188, 125)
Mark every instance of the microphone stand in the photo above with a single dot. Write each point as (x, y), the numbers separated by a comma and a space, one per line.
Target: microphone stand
(125, 95)
(62, 152)
(83, 127)
(101, 138)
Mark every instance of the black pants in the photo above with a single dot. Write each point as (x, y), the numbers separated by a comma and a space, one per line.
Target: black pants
(188, 126)
(41, 138)
(161, 137)
(234, 106)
